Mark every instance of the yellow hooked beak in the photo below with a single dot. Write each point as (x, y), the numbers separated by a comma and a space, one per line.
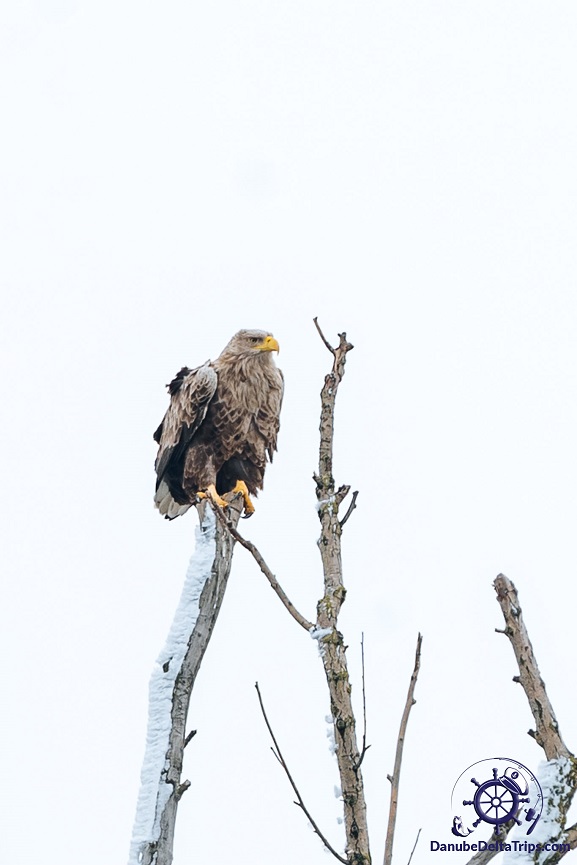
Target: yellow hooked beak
(269, 343)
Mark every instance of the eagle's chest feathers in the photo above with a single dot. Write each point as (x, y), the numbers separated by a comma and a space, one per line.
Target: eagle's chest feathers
(244, 411)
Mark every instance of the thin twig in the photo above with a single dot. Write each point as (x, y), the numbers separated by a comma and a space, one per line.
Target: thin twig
(342, 493)
(414, 847)
(323, 337)
(365, 747)
(395, 778)
(351, 508)
(300, 803)
(248, 545)
(189, 737)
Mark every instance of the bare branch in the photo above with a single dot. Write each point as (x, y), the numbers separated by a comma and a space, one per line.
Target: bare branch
(414, 847)
(182, 788)
(275, 585)
(547, 729)
(365, 747)
(351, 508)
(322, 336)
(324, 480)
(560, 789)
(276, 755)
(399, 756)
(341, 494)
(189, 737)
(277, 752)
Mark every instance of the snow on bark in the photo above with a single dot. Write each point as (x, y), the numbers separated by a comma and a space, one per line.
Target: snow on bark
(553, 776)
(154, 791)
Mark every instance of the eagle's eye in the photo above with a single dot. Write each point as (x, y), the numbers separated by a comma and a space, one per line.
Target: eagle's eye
(254, 339)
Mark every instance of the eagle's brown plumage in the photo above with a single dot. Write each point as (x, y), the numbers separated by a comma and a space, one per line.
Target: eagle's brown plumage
(221, 425)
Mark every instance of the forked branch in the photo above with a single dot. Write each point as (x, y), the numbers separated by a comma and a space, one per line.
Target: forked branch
(322, 336)
(277, 752)
(365, 747)
(350, 508)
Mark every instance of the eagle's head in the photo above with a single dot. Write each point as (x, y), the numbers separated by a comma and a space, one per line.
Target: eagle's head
(251, 343)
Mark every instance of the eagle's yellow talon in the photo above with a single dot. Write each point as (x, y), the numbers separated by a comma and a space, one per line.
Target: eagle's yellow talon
(211, 493)
(241, 487)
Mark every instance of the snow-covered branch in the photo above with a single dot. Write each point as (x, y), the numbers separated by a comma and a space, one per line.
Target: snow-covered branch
(171, 686)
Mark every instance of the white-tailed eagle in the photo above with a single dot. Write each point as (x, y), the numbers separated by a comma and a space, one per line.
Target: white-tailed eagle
(220, 427)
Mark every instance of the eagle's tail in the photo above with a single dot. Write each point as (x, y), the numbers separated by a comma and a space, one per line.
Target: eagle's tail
(168, 507)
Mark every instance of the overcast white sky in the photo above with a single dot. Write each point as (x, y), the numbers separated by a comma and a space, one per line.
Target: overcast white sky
(172, 172)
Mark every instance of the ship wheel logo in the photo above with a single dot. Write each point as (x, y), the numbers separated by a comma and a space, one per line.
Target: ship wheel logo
(497, 800)
(512, 793)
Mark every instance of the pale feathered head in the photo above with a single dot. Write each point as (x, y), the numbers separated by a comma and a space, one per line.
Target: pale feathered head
(250, 343)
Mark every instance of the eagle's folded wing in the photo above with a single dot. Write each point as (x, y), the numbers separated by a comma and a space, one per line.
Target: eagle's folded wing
(191, 392)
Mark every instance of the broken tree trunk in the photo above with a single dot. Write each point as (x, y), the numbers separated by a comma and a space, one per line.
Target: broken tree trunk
(171, 687)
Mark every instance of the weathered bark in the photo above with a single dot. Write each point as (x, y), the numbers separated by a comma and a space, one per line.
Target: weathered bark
(559, 796)
(331, 643)
(160, 851)
(547, 732)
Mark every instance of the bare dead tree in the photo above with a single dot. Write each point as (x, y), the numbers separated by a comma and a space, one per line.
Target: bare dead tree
(277, 752)
(156, 846)
(331, 643)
